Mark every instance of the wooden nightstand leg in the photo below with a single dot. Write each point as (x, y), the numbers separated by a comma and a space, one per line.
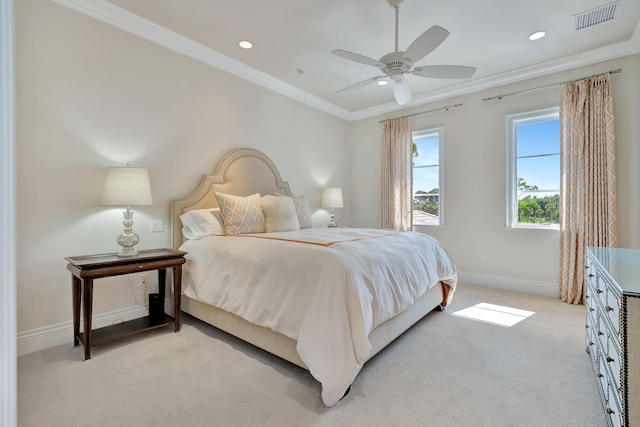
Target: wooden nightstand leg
(162, 280)
(177, 294)
(87, 293)
(76, 291)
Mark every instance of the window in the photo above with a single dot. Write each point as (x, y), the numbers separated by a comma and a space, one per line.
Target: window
(427, 177)
(533, 169)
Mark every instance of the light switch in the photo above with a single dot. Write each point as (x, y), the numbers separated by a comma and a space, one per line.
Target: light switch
(157, 225)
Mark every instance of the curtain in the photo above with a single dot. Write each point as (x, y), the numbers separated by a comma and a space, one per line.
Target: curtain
(588, 212)
(397, 175)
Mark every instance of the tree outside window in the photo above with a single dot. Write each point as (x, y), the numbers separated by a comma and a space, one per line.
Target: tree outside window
(533, 146)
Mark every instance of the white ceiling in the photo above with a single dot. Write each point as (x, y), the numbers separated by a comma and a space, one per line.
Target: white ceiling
(491, 35)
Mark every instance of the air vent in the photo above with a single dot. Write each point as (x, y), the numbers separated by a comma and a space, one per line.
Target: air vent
(596, 16)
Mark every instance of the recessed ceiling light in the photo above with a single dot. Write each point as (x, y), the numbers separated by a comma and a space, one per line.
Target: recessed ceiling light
(382, 82)
(537, 35)
(245, 44)
(298, 71)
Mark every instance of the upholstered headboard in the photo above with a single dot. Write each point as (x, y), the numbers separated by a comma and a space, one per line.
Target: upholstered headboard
(241, 172)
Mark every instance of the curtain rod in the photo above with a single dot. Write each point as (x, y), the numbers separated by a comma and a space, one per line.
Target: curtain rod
(619, 70)
(424, 112)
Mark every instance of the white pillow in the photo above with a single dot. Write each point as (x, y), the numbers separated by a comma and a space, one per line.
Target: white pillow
(199, 223)
(302, 210)
(241, 215)
(279, 214)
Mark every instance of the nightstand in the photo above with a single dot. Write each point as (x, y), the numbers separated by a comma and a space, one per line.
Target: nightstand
(85, 269)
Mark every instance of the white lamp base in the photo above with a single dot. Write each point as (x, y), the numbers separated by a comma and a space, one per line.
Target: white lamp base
(332, 222)
(128, 239)
(127, 253)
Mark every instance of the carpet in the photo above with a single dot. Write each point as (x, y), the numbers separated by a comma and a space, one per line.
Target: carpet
(447, 370)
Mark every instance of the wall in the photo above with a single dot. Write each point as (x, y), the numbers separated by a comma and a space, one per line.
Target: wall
(475, 178)
(91, 96)
(8, 342)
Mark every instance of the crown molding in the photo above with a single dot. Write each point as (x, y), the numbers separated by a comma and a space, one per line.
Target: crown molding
(113, 15)
(571, 62)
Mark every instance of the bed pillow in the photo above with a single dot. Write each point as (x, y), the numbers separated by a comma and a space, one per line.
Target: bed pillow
(302, 210)
(279, 214)
(241, 215)
(199, 223)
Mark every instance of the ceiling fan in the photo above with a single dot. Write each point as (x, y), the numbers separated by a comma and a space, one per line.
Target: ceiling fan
(396, 64)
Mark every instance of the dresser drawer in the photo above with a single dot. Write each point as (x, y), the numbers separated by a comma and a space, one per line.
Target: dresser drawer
(591, 343)
(612, 308)
(613, 408)
(612, 358)
(602, 372)
(612, 301)
(591, 304)
(591, 328)
(600, 289)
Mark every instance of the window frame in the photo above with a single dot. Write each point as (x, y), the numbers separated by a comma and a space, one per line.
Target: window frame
(512, 122)
(425, 133)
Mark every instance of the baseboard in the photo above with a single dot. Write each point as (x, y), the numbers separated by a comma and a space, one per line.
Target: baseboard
(62, 333)
(510, 284)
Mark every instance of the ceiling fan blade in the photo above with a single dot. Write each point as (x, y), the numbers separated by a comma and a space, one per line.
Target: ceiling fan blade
(359, 85)
(358, 58)
(444, 71)
(425, 44)
(401, 91)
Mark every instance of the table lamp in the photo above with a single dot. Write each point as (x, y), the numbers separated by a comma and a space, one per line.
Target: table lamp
(126, 186)
(332, 198)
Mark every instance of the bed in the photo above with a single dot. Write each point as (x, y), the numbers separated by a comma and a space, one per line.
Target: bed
(324, 299)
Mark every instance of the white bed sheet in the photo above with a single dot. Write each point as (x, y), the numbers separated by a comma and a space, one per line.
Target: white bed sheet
(325, 288)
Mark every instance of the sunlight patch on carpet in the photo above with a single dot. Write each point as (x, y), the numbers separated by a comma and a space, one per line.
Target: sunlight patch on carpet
(494, 314)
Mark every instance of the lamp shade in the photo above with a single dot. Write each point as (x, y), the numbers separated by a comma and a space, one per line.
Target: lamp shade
(332, 198)
(127, 186)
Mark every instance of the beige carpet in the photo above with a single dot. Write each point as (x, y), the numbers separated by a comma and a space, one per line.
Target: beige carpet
(446, 371)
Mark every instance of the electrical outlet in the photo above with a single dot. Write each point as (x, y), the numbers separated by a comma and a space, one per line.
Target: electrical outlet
(143, 281)
(157, 225)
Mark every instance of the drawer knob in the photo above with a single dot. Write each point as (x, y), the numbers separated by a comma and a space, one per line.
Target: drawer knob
(600, 333)
(609, 359)
(587, 296)
(141, 266)
(590, 342)
(610, 411)
(590, 275)
(600, 375)
(598, 291)
(608, 308)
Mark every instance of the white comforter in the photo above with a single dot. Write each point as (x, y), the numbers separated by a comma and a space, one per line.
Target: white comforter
(325, 288)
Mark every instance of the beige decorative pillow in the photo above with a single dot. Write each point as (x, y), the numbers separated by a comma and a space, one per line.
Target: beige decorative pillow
(279, 214)
(241, 215)
(302, 210)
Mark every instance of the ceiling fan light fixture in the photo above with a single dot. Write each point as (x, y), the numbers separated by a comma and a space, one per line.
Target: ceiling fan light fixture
(395, 65)
(537, 35)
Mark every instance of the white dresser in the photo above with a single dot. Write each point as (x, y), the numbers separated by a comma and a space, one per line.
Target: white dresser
(613, 330)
